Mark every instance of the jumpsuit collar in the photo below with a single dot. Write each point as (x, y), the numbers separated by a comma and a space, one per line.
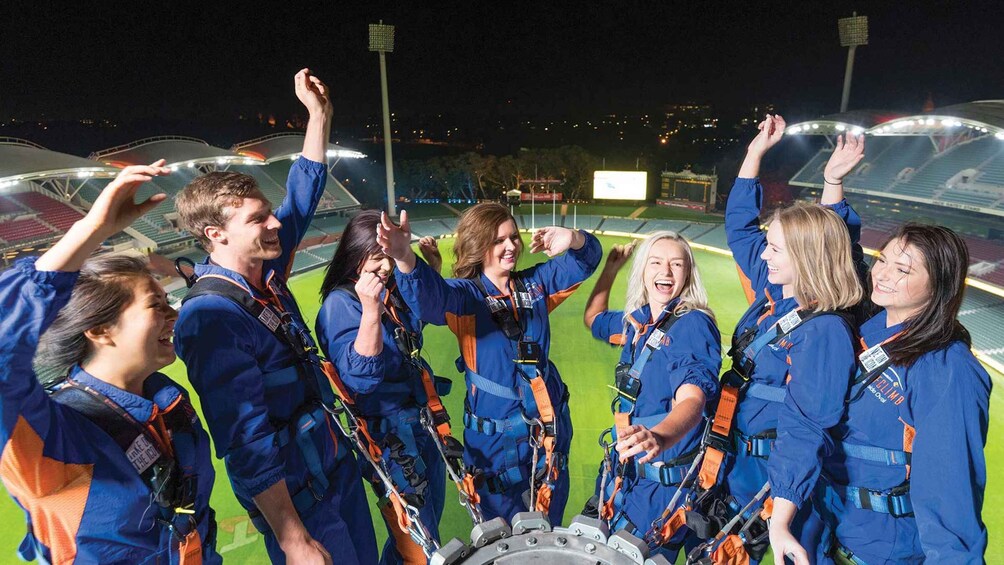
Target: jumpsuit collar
(874, 331)
(142, 409)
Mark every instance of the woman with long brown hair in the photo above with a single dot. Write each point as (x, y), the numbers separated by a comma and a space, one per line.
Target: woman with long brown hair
(518, 429)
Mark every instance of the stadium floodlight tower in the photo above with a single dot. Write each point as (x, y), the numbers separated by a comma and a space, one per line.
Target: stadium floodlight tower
(382, 41)
(853, 32)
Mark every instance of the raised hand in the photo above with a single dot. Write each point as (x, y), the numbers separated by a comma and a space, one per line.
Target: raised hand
(115, 208)
(618, 256)
(848, 153)
(429, 248)
(395, 240)
(771, 132)
(638, 439)
(369, 288)
(554, 240)
(312, 92)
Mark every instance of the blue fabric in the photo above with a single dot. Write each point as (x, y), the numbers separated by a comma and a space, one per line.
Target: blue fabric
(815, 363)
(455, 302)
(227, 352)
(116, 526)
(690, 354)
(388, 389)
(945, 397)
(766, 392)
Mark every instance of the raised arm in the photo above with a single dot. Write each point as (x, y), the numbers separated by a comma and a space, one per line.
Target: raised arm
(599, 299)
(844, 158)
(314, 94)
(350, 333)
(574, 255)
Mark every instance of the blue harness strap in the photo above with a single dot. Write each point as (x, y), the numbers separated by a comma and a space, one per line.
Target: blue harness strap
(874, 454)
(490, 387)
(767, 392)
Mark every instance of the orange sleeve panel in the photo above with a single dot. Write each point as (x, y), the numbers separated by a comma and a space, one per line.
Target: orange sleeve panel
(555, 300)
(747, 286)
(617, 339)
(463, 328)
(53, 492)
(909, 434)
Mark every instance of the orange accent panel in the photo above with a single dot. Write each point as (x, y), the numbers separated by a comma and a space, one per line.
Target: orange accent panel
(407, 547)
(554, 300)
(675, 522)
(53, 492)
(621, 421)
(747, 286)
(618, 339)
(768, 508)
(731, 552)
(463, 327)
(707, 476)
(190, 549)
(909, 434)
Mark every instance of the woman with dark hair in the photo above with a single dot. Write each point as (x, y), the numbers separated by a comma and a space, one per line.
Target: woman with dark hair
(905, 479)
(516, 410)
(369, 334)
(110, 464)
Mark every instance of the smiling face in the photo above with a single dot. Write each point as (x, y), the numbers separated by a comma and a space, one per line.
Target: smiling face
(900, 281)
(252, 232)
(666, 273)
(141, 339)
(504, 251)
(780, 270)
(379, 264)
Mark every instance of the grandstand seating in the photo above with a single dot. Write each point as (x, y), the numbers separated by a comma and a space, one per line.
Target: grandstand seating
(50, 211)
(24, 231)
(812, 172)
(886, 158)
(714, 237)
(993, 171)
(626, 225)
(9, 207)
(931, 177)
(330, 224)
(271, 179)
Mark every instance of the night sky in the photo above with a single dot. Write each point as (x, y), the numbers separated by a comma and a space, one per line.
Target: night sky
(192, 60)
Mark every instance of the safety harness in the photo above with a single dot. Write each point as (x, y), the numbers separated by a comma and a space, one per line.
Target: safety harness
(149, 447)
(537, 420)
(627, 377)
(708, 511)
(315, 374)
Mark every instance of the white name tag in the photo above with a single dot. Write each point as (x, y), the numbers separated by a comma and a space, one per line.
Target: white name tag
(873, 358)
(655, 338)
(142, 454)
(270, 320)
(495, 305)
(789, 322)
(525, 300)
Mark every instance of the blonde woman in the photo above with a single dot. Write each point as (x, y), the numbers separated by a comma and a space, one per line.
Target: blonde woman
(792, 359)
(667, 374)
(516, 403)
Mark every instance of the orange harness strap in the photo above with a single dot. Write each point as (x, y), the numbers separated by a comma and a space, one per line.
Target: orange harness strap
(547, 418)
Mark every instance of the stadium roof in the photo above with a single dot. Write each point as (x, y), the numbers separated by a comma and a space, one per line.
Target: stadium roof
(22, 160)
(286, 146)
(981, 117)
(176, 150)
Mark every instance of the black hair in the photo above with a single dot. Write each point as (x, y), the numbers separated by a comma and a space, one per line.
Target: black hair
(357, 244)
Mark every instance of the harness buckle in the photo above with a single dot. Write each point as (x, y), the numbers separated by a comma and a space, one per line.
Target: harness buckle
(718, 441)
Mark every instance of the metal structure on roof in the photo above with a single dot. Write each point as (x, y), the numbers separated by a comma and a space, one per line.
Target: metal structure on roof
(271, 148)
(855, 121)
(971, 119)
(22, 160)
(178, 151)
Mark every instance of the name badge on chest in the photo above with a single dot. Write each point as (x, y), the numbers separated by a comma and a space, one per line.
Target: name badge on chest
(655, 339)
(494, 304)
(873, 358)
(789, 321)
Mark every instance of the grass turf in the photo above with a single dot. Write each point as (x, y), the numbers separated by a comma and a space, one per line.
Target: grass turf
(585, 365)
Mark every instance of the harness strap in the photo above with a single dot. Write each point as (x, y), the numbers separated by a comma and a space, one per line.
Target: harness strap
(758, 445)
(874, 454)
(767, 392)
(896, 503)
(490, 387)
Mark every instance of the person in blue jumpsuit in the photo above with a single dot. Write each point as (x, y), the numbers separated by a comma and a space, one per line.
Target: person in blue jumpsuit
(801, 266)
(360, 317)
(105, 326)
(905, 479)
(288, 466)
(510, 324)
(666, 395)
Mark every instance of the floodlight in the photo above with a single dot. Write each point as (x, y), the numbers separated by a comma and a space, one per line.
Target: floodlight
(382, 38)
(853, 31)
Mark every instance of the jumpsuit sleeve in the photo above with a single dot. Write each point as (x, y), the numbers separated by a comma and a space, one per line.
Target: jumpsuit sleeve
(608, 326)
(950, 401)
(430, 296)
(223, 369)
(304, 188)
(742, 230)
(822, 365)
(337, 327)
(695, 354)
(29, 303)
(563, 274)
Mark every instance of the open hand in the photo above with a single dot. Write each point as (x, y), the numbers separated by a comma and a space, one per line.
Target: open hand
(553, 240)
(637, 439)
(771, 132)
(115, 208)
(618, 256)
(429, 248)
(312, 92)
(848, 153)
(395, 240)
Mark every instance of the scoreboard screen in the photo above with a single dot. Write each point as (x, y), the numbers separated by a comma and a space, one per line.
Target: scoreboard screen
(620, 185)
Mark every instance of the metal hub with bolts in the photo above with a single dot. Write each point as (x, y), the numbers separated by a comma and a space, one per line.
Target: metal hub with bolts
(530, 538)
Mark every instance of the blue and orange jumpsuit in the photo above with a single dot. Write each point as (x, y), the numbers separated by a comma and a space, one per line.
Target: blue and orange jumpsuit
(690, 353)
(238, 368)
(803, 377)
(84, 500)
(388, 392)
(495, 438)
